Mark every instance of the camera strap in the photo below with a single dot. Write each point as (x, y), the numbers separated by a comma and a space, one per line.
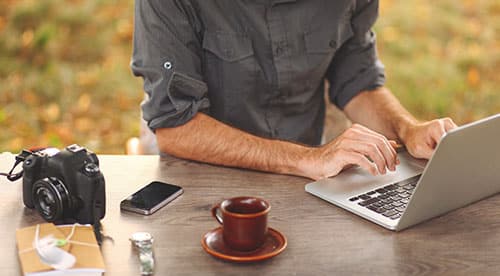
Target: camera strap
(19, 158)
(97, 231)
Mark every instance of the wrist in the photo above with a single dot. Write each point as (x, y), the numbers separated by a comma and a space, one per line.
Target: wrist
(297, 160)
(404, 127)
(306, 165)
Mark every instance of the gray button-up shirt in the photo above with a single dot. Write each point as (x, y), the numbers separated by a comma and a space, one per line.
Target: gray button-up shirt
(256, 65)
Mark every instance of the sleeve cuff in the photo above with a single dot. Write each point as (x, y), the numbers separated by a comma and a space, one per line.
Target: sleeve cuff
(368, 79)
(186, 95)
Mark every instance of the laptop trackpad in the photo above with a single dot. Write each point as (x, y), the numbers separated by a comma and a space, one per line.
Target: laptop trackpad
(356, 180)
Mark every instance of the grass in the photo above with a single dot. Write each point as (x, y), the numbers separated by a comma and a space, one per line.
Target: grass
(65, 77)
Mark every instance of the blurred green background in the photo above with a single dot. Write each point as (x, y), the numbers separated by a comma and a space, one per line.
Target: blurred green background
(65, 77)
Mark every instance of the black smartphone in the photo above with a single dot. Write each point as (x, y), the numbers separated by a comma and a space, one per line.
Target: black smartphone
(151, 197)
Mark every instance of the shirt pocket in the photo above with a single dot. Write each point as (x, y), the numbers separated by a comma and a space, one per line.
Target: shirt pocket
(228, 54)
(322, 44)
(229, 47)
(229, 68)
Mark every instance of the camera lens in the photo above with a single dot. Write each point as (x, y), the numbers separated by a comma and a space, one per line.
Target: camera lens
(50, 198)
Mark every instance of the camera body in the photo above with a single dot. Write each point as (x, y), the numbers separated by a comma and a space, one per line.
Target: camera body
(65, 186)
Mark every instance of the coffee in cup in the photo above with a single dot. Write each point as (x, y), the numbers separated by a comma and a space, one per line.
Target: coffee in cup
(244, 222)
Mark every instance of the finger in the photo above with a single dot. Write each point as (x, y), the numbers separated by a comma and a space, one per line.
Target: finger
(367, 149)
(449, 124)
(354, 158)
(380, 141)
(387, 151)
(367, 130)
(392, 150)
(436, 132)
(396, 146)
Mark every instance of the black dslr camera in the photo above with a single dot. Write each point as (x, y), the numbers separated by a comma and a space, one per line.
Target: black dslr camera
(64, 186)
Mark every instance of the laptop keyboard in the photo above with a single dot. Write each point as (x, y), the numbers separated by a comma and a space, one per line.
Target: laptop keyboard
(389, 200)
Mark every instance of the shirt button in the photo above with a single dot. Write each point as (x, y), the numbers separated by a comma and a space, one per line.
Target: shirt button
(279, 51)
(333, 43)
(167, 65)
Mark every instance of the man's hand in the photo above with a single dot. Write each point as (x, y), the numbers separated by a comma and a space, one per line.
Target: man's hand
(381, 111)
(358, 145)
(422, 138)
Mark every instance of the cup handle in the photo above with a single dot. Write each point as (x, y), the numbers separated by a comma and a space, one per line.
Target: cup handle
(217, 214)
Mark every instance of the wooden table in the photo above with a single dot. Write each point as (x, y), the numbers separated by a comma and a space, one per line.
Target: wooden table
(322, 239)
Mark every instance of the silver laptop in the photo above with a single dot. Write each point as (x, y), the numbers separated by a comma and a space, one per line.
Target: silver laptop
(464, 168)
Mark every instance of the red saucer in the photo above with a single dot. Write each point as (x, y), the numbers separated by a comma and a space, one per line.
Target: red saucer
(214, 244)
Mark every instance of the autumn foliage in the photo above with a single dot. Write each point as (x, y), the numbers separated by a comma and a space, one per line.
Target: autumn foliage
(65, 77)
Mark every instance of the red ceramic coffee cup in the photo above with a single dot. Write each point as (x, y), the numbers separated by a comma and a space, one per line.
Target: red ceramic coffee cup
(244, 222)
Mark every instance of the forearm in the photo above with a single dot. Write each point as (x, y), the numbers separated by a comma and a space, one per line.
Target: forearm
(207, 140)
(380, 111)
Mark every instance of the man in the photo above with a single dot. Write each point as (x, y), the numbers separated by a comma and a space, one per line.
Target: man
(240, 83)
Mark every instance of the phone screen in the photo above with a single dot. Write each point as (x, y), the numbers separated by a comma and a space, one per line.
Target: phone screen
(151, 197)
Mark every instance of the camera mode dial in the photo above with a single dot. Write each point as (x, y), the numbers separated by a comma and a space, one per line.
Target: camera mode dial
(91, 169)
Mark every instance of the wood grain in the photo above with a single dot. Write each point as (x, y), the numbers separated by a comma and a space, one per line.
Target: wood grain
(322, 239)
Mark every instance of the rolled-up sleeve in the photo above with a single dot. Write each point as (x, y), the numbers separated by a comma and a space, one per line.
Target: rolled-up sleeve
(166, 54)
(356, 67)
